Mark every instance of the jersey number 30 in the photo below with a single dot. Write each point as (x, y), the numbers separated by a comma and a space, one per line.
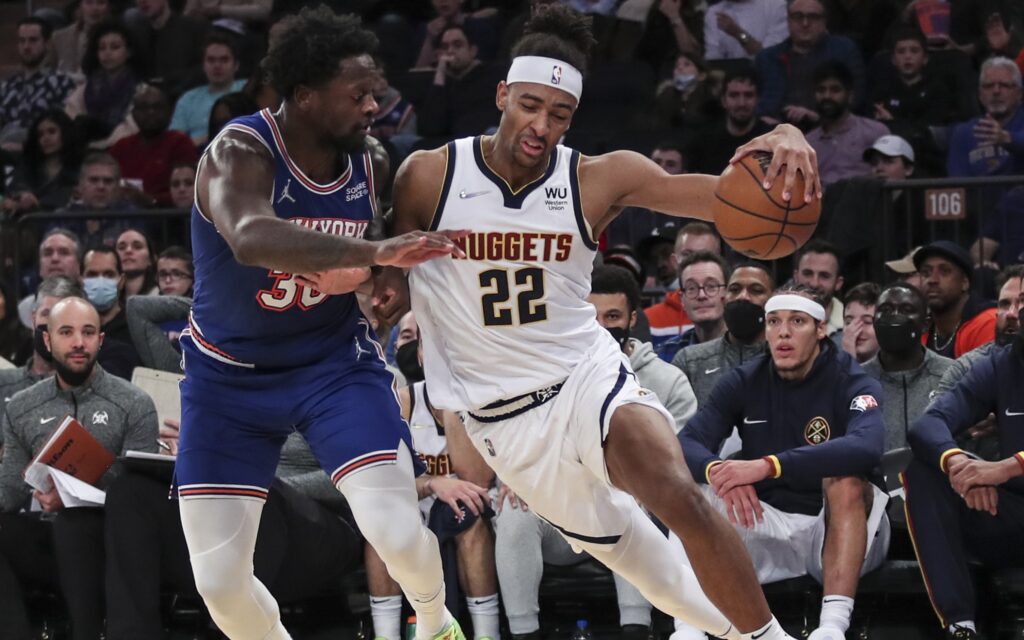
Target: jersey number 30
(286, 292)
(497, 310)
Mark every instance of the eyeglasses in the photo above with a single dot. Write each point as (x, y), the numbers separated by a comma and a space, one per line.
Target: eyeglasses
(174, 274)
(711, 289)
(798, 16)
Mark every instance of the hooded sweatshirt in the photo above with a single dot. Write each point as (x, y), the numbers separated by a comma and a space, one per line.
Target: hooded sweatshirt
(667, 382)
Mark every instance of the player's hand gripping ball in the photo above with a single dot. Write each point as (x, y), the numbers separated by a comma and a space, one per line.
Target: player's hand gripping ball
(756, 221)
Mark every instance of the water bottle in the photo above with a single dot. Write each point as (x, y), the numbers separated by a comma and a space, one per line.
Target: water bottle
(410, 628)
(582, 631)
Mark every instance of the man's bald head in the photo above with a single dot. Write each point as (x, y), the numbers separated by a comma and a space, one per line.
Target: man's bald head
(73, 309)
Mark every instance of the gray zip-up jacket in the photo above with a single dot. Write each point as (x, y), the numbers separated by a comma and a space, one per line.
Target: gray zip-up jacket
(120, 415)
(907, 394)
(667, 382)
(962, 365)
(704, 364)
(144, 314)
(14, 380)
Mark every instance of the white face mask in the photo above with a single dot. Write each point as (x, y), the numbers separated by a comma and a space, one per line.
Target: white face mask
(683, 81)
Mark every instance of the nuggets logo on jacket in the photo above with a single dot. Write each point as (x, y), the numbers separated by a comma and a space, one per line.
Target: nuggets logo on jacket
(863, 403)
(818, 430)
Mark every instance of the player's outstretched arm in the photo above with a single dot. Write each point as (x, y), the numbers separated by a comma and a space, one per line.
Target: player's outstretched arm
(235, 189)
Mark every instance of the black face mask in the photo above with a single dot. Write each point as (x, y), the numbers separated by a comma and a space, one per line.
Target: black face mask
(39, 344)
(407, 361)
(620, 335)
(744, 319)
(897, 334)
(73, 378)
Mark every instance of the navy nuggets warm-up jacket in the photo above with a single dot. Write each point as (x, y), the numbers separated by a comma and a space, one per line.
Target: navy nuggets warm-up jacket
(993, 385)
(827, 425)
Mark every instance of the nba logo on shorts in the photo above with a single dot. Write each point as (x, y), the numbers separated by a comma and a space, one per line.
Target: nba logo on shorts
(556, 74)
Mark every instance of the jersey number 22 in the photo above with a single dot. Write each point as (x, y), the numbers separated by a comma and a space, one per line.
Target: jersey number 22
(495, 303)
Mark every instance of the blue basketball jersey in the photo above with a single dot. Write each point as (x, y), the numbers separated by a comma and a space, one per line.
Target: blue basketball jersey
(255, 317)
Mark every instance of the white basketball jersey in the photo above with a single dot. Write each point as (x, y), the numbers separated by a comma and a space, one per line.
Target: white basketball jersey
(512, 317)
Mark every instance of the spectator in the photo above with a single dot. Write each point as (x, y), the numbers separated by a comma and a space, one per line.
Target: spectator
(655, 253)
(149, 154)
(453, 490)
(48, 172)
(992, 144)
(479, 27)
(220, 64)
(786, 70)
(749, 288)
(69, 43)
(961, 320)
(715, 144)
(34, 89)
(912, 96)
(634, 224)
(687, 99)
(909, 373)
(395, 116)
(138, 256)
(156, 322)
(858, 335)
(819, 266)
(98, 191)
(308, 542)
(60, 254)
(254, 14)
(702, 279)
(801, 490)
(616, 298)
(103, 282)
(172, 43)
(668, 318)
(1007, 326)
(842, 137)
(742, 28)
(15, 338)
(957, 505)
(65, 549)
(891, 158)
(460, 100)
(1001, 240)
(40, 362)
(183, 186)
(113, 68)
(226, 109)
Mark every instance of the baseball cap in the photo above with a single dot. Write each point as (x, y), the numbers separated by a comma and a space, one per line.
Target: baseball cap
(905, 264)
(945, 249)
(665, 232)
(892, 146)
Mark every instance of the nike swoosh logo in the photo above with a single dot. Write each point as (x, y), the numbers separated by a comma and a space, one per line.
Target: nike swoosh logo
(45, 420)
(376, 601)
(762, 634)
(1010, 414)
(467, 196)
(749, 421)
(710, 371)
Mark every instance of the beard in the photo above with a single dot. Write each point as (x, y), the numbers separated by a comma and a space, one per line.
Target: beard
(353, 144)
(830, 109)
(1005, 335)
(74, 377)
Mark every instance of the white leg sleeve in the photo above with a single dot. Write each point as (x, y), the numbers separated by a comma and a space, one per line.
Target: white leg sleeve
(221, 538)
(383, 501)
(644, 557)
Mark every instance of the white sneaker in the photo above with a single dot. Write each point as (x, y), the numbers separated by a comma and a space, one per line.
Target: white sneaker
(686, 632)
(826, 633)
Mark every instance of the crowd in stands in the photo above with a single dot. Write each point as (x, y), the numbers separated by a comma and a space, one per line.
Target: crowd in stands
(104, 121)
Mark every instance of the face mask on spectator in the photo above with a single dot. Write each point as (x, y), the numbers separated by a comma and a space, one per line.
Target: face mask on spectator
(620, 335)
(407, 361)
(39, 344)
(684, 81)
(744, 319)
(101, 292)
(897, 334)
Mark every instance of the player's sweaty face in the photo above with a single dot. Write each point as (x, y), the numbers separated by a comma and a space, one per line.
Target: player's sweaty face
(534, 119)
(345, 106)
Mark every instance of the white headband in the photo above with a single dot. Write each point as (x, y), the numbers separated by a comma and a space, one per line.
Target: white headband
(546, 71)
(792, 302)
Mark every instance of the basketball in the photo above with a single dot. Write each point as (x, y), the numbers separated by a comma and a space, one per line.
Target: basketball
(756, 221)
